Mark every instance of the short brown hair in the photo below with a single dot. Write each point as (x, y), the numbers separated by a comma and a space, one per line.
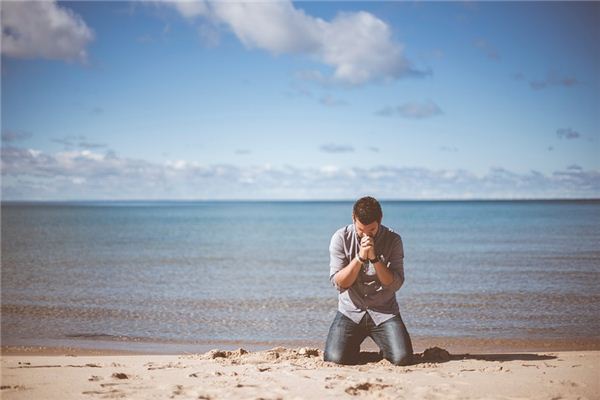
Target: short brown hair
(367, 210)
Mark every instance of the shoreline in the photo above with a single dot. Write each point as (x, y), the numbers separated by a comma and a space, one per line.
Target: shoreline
(452, 344)
(301, 373)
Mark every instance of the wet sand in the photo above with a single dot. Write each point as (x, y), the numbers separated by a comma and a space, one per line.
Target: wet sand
(451, 344)
(297, 373)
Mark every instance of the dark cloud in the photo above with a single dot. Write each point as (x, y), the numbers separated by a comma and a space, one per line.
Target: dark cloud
(567, 133)
(10, 136)
(77, 141)
(89, 145)
(336, 148)
(553, 79)
(412, 110)
(488, 49)
(68, 141)
(242, 152)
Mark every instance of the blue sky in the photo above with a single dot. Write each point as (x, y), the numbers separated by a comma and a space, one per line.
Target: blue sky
(302, 100)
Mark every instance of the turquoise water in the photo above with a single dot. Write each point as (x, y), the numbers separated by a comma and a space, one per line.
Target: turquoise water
(258, 271)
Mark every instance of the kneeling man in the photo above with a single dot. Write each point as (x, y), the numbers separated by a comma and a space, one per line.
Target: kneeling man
(367, 268)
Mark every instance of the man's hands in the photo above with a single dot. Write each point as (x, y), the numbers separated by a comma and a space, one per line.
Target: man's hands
(367, 247)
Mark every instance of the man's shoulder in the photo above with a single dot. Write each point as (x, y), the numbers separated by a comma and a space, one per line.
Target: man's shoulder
(390, 234)
(344, 232)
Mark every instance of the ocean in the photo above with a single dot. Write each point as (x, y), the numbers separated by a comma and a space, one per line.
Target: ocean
(138, 275)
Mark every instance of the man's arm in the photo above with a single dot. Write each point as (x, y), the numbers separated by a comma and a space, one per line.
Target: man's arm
(342, 273)
(343, 276)
(346, 276)
(385, 276)
(394, 267)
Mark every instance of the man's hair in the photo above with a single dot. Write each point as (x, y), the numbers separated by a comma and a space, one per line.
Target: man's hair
(367, 210)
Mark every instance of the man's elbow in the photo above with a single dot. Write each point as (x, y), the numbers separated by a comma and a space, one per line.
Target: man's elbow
(400, 282)
(336, 284)
(397, 282)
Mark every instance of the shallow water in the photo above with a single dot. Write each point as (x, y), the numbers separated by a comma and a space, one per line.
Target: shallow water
(258, 271)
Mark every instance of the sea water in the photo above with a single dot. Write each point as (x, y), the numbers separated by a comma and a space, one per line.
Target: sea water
(194, 272)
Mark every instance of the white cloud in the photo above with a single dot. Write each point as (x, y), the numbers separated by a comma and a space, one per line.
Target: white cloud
(357, 45)
(31, 174)
(190, 9)
(274, 26)
(43, 29)
(361, 49)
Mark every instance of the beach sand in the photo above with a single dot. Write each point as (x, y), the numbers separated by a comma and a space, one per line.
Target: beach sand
(297, 373)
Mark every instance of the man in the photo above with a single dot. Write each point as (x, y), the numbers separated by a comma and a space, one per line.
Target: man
(367, 268)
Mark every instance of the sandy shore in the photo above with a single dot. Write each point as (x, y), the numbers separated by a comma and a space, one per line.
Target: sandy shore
(301, 373)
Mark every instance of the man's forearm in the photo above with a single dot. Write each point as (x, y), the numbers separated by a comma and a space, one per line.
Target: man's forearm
(383, 273)
(347, 275)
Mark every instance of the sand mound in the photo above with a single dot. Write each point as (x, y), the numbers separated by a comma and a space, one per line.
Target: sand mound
(274, 355)
(433, 354)
(310, 356)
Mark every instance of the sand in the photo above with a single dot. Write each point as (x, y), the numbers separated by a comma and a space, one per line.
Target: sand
(300, 373)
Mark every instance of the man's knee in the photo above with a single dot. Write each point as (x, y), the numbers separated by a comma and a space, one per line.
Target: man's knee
(335, 357)
(401, 358)
(332, 357)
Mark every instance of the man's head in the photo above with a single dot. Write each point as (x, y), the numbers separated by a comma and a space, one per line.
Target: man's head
(367, 216)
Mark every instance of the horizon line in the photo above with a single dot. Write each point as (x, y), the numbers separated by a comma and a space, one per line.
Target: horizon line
(231, 200)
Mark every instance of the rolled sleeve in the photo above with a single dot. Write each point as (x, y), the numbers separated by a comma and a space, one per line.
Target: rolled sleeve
(395, 264)
(337, 259)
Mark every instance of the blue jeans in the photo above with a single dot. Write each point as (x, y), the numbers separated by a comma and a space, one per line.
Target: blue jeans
(345, 337)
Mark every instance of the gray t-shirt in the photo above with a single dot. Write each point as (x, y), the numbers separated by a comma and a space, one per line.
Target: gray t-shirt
(367, 294)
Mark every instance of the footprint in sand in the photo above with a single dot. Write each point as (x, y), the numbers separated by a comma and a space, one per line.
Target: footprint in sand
(365, 387)
(568, 383)
(169, 365)
(177, 391)
(331, 377)
(120, 375)
(111, 394)
(13, 387)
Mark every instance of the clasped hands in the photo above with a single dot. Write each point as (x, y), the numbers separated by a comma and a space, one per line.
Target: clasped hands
(367, 248)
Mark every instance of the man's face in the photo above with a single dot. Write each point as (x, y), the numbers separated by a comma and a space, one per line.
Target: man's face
(362, 229)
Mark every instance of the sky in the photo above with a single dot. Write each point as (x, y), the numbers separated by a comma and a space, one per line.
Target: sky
(300, 100)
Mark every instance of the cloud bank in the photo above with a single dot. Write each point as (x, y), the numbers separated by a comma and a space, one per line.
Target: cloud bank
(357, 45)
(43, 29)
(30, 174)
